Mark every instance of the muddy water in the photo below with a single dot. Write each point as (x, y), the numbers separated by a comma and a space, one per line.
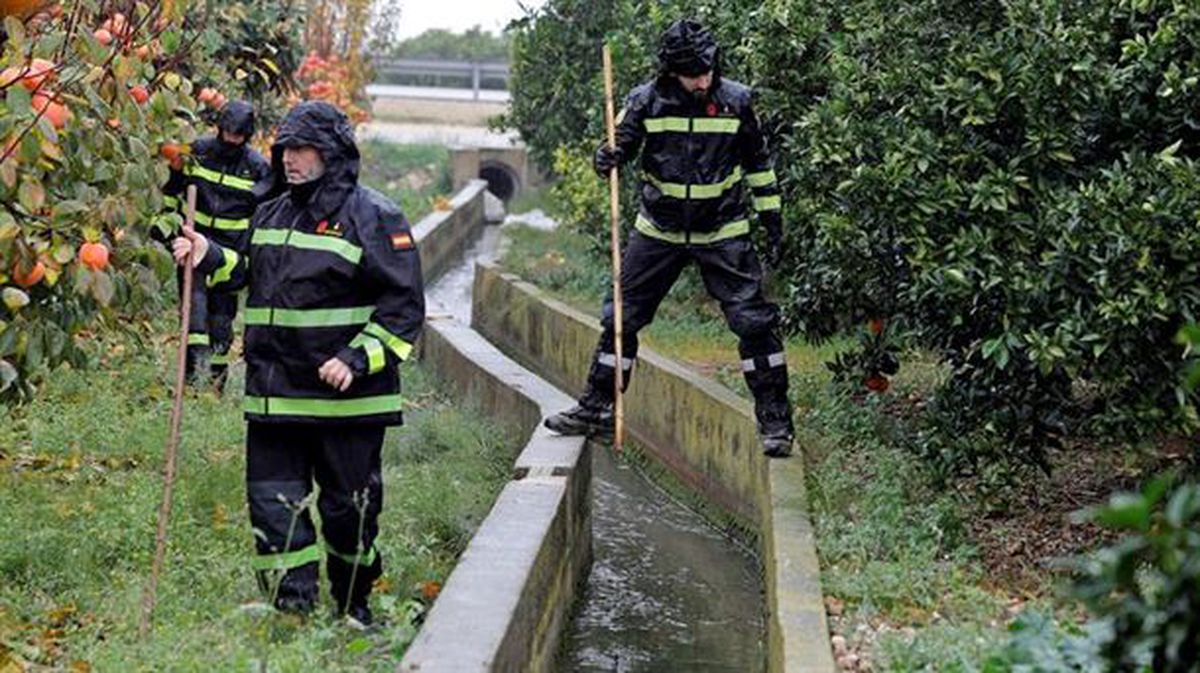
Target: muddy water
(666, 593)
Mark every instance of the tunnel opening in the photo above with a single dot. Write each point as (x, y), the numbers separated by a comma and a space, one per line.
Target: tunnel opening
(502, 182)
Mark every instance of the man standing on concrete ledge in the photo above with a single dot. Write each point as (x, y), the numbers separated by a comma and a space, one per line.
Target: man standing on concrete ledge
(703, 151)
(335, 303)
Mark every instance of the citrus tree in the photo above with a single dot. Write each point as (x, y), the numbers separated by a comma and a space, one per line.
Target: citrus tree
(94, 101)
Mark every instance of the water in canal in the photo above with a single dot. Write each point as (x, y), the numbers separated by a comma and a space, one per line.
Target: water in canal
(666, 593)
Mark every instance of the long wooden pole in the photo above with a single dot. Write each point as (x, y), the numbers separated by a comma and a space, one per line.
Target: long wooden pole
(164, 512)
(614, 195)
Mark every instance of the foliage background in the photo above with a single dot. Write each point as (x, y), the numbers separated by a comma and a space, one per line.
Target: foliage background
(1012, 184)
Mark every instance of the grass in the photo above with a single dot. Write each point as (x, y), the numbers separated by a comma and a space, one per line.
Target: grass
(411, 175)
(902, 576)
(79, 492)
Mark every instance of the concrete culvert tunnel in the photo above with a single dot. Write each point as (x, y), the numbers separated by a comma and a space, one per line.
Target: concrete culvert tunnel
(502, 181)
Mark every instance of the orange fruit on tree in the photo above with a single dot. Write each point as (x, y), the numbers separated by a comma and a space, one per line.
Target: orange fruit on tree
(94, 256)
(31, 276)
(103, 35)
(21, 8)
(31, 76)
(140, 94)
(56, 112)
(206, 95)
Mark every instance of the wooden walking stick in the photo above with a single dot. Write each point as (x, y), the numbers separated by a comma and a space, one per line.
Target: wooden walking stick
(164, 512)
(615, 217)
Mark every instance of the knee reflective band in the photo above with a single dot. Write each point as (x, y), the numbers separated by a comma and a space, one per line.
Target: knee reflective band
(197, 339)
(322, 408)
(773, 360)
(218, 178)
(219, 359)
(296, 239)
(610, 360)
(374, 350)
(730, 230)
(287, 560)
(354, 559)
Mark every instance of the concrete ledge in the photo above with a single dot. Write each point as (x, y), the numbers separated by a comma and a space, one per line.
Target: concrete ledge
(442, 234)
(506, 602)
(699, 430)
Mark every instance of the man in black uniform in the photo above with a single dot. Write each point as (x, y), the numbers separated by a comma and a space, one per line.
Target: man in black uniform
(703, 151)
(231, 180)
(335, 303)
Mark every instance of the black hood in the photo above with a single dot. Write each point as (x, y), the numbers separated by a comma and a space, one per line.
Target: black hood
(687, 48)
(237, 117)
(321, 125)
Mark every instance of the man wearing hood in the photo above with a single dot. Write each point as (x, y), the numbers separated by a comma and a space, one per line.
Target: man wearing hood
(703, 155)
(335, 303)
(231, 179)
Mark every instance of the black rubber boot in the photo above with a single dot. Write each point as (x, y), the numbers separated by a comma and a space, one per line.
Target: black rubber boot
(197, 364)
(351, 600)
(297, 592)
(775, 428)
(583, 419)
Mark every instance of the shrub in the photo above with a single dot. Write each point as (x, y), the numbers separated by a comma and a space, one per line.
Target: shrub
(1011, 184)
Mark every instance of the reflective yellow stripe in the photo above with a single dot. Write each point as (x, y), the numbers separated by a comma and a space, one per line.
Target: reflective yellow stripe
(716, 125)
(399, 346)
(310, 317)
(712, 191)
(693, 124)
(171, 201)
(667, 124)
(374, 349)
(287, 560)
(218, 178)
(331, 408)
(206, 220)
(354, 559)
(730, 230)
(197, 339)
(762, 203)
(219, 359)
(223, 274)
(761, 178)
(298, 239)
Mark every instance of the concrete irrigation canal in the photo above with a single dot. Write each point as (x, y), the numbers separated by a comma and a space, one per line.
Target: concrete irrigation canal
(584, 564)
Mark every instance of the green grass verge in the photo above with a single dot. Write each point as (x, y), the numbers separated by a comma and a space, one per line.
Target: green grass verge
(411, 175)
(79, 492)
(904, 584)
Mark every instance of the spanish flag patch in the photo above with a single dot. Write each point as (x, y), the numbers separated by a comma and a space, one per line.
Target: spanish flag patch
(402, 241)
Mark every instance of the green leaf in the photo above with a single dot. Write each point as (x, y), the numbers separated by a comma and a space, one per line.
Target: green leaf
(358, 646)
(18, 101)
(1125, 511)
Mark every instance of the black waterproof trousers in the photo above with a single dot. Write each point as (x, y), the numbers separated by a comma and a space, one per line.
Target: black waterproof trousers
(210, 330)
(733, 276)
(283, 461)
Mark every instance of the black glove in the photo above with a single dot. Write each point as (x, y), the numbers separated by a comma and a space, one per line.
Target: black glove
(772, 221)
(606, 159)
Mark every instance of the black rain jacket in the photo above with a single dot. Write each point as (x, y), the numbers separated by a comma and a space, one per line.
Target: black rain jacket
(332, 270)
